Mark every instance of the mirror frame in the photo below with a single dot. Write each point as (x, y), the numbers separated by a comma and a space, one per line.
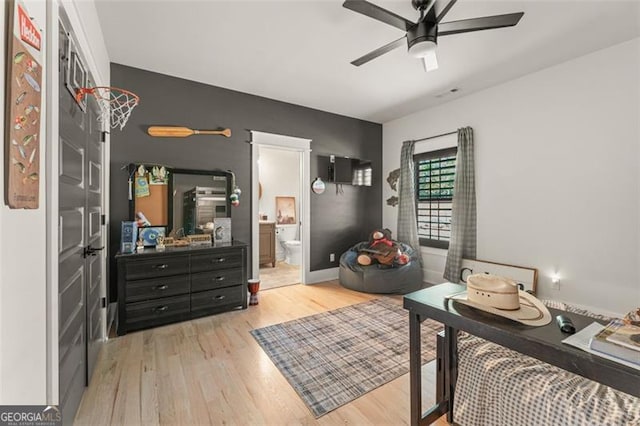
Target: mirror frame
(132, 167)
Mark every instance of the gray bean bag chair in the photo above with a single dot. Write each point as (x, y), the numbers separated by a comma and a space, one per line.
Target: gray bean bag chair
(380, 278)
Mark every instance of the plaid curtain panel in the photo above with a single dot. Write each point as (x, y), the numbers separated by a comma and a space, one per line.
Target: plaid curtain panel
(463, 214)
(407, 221)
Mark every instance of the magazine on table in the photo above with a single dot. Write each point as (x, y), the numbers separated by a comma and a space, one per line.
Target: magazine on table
(581, 340)
(626, 335)
(600, 342)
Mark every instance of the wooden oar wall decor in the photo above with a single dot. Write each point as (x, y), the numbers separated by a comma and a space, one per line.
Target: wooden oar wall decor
(183, 132)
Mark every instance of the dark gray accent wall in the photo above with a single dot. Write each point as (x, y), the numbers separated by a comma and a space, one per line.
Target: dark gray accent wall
(337, 220)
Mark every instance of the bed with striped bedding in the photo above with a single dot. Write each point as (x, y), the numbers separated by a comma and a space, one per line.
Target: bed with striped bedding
(498, 386)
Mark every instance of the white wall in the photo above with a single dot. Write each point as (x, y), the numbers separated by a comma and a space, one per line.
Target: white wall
(279, 176)
(27, 372)
(22, 269)
(557, 174)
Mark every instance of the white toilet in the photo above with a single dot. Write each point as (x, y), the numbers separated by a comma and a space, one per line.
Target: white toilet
(289, 248)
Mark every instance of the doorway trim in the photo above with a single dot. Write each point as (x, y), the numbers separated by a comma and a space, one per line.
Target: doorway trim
(303, 146)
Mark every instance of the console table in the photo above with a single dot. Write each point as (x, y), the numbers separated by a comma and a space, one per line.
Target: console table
(179, 283)
(543, 343)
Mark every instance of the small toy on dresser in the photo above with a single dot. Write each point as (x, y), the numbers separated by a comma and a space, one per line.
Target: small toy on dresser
(199, 240)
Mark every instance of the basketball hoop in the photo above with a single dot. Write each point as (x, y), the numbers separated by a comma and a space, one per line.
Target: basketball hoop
(115, 103)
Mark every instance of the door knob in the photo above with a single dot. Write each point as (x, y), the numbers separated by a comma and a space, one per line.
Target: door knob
(91, 251)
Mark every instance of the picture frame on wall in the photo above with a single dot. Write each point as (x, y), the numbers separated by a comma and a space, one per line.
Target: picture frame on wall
(23, 106)
(285, 210)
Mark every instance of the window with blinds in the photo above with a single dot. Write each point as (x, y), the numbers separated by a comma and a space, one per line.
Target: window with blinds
(362, 176)
(435, 176)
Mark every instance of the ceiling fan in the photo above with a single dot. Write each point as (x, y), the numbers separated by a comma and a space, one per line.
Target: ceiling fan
(422, 36)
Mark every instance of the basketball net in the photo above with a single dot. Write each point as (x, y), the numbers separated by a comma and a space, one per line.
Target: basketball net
(115, 104)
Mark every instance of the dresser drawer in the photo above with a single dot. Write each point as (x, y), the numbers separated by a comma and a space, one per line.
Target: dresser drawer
(210, 301)
(156, 312)
(214, 261)
(156, 287)
(216, 279)
(158, 267)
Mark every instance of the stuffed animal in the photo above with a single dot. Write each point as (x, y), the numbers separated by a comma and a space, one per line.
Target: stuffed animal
(382, 249)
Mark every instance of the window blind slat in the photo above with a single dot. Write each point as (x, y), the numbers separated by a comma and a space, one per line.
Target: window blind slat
(435, 177)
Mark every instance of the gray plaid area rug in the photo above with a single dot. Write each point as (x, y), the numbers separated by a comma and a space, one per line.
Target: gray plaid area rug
(337, 356)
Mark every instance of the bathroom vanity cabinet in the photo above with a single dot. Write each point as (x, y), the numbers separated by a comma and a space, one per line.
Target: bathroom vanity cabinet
(267, 243)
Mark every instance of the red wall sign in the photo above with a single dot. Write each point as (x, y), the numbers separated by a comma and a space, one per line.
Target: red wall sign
(28, 32)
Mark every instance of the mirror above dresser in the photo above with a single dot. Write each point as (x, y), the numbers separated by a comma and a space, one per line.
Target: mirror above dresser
(181, 199)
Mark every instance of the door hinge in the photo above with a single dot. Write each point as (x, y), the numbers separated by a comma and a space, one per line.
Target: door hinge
(103, 136)
(103, 219)
(103, 302)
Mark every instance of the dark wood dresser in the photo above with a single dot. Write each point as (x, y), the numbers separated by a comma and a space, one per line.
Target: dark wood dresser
(177, 284)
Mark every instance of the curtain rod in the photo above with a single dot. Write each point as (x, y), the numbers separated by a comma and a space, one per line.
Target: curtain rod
(436, 136)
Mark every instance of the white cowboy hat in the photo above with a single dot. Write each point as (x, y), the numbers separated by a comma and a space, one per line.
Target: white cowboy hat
(500, 296)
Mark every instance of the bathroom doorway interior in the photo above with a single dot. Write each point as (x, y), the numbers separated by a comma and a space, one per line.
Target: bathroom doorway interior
(278, 208)
(279, 250)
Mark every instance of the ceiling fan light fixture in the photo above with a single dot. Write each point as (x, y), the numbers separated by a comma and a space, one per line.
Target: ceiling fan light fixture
(422, 48)
(430, 61)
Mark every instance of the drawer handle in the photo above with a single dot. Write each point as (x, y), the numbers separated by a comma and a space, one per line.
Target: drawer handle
(218, 279)
(161, 308)
(163, 266)
(219, 297)
(161, 287)
(218, 260)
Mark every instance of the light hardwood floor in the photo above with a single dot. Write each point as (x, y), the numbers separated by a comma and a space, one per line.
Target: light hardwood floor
(212, 371)
(283, 274)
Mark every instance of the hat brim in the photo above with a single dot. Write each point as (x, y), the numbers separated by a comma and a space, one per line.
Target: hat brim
(531, 312)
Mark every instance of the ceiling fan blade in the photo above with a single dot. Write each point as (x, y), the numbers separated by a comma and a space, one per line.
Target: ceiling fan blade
(442, 7)
(430, 61)
(379, 51)
(378, 13)
(479, 24)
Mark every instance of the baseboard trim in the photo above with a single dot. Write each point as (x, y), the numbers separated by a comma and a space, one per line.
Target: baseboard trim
(433, 276)
(322, 275)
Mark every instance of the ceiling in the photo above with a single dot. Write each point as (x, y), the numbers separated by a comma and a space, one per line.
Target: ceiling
(298, 51)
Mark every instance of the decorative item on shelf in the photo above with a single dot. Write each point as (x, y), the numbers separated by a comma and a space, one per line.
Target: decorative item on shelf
(222, 230)
(236, 192)
(150, 235)
(158, 176)
(142, 220)
(128, 237)
(160, 243)
(140, 245)
(318, 186)
(254, 287)
(175, 242)
(199, 240)
(183, 132)
(141, 182)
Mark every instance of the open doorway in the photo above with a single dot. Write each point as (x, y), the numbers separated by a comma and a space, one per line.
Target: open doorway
(280, 249)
